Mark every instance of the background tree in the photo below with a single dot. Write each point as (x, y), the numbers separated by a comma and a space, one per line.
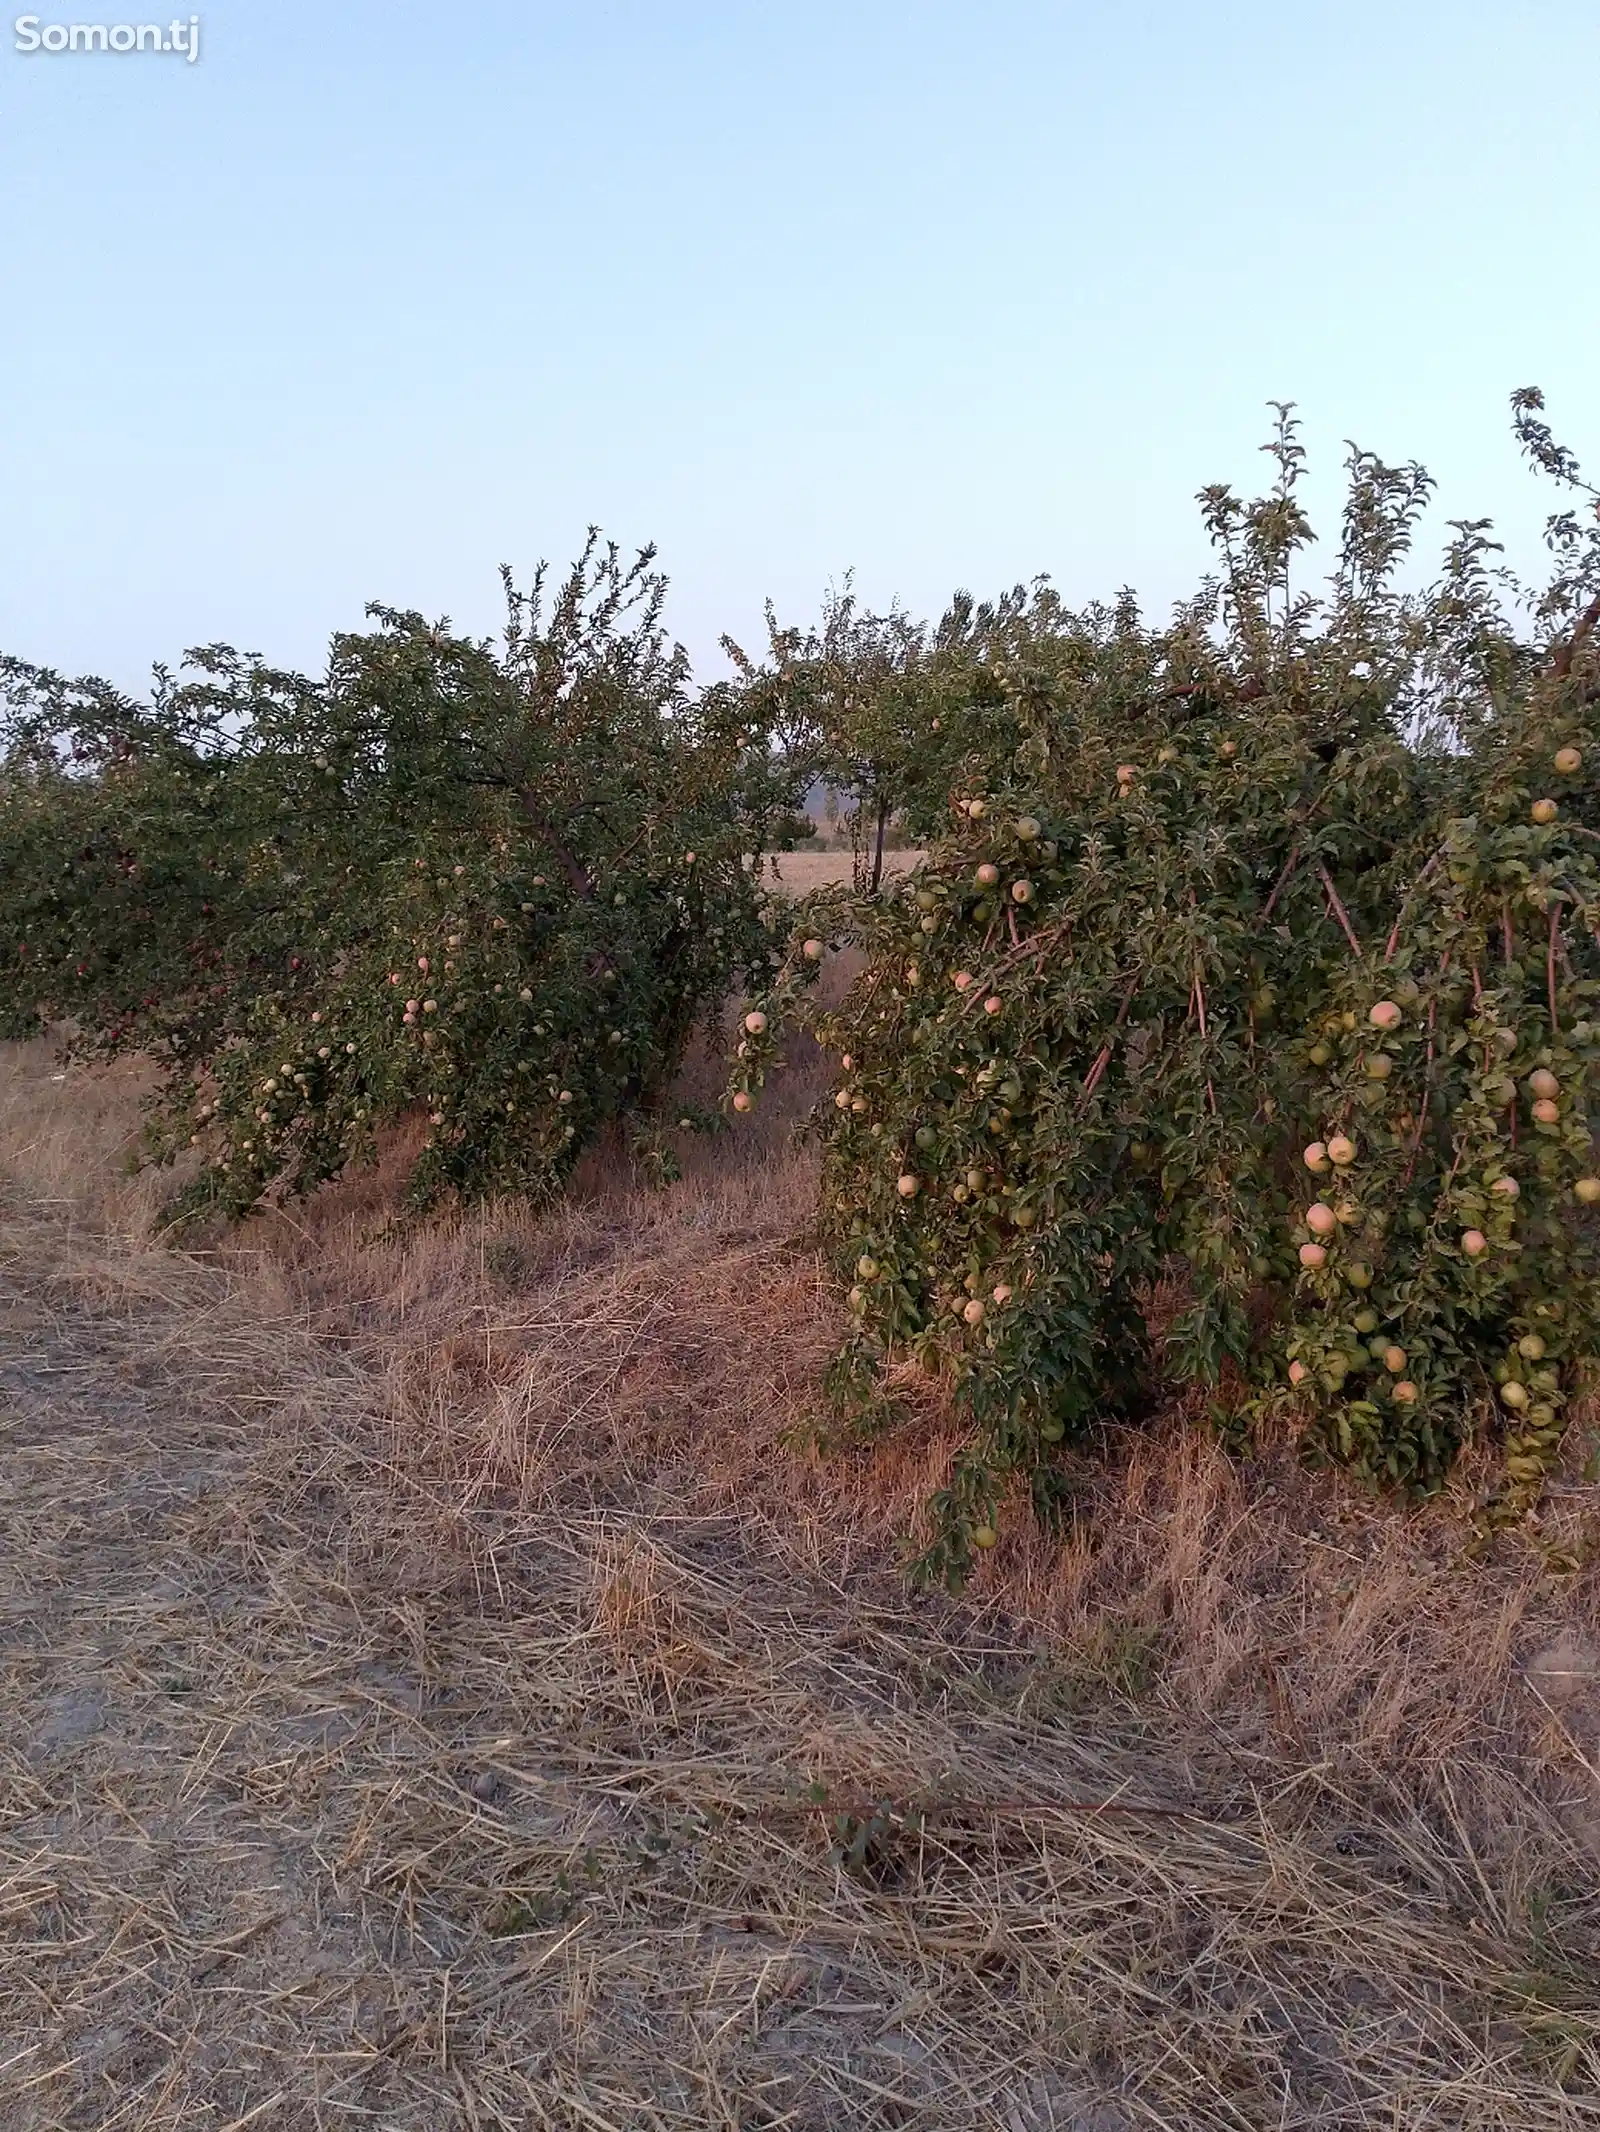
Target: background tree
(495, 884)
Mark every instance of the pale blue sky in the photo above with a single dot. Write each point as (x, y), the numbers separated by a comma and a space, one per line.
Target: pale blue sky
(377, 296)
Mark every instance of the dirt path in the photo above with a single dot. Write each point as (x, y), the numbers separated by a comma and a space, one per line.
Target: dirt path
(326, 1803)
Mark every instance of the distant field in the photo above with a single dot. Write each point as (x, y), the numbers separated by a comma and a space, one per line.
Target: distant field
(801, 871)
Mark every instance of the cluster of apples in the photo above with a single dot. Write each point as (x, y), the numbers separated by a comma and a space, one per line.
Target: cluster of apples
(756, 1024)
(1335, 1155)
(1568, 761)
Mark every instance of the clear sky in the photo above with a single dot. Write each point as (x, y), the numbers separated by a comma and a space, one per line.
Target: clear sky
(375, 296)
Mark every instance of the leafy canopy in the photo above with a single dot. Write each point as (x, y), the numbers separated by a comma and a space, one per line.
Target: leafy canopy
(493, 884)
(1259, 955)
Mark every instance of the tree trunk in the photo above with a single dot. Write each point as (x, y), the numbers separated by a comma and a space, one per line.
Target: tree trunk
(577, 876)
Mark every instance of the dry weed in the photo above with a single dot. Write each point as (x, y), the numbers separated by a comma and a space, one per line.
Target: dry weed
(797, 873)
(419, 1655)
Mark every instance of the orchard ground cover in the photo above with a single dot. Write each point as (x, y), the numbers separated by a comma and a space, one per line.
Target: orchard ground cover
(419, 1656)
(798, 873)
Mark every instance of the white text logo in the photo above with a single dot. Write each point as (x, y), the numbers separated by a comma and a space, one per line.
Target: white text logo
(181, 37)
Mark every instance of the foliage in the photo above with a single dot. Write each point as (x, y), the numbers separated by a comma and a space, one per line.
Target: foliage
(884, 710)
(1258, 954)
(494, 885)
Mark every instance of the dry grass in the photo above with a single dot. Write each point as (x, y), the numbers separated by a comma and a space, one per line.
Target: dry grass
(416, 1656)
(801, 871)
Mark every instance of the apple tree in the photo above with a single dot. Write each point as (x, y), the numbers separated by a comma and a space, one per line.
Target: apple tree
(1260, 957)
(491, 885)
